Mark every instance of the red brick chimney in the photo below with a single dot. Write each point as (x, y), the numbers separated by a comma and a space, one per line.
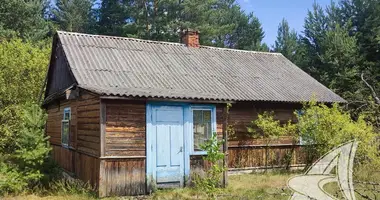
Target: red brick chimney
(190, 38)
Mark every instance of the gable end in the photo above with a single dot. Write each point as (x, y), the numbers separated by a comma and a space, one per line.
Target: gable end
(59, 77)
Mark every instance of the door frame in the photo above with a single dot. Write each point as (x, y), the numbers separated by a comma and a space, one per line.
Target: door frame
(150, 143)
(187, 137)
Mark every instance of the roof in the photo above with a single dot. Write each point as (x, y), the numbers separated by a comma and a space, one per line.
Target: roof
(131, 67)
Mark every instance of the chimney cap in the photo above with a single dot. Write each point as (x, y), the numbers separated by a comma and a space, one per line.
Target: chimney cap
(189, 30)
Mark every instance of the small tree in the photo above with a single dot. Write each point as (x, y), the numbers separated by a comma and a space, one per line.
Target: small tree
(22, 167)
(212, 179)
(269, 129)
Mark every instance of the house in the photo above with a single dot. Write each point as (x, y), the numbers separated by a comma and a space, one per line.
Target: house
(130, 115)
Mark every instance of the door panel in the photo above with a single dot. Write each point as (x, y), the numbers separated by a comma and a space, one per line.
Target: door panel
(168, 125)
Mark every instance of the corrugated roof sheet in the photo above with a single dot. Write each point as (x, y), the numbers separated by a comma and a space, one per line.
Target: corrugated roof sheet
(141, 68)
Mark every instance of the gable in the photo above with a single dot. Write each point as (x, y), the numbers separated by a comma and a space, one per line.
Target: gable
(59, 77)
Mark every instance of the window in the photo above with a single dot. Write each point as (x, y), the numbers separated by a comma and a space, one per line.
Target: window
(202, 127)
(65, 132)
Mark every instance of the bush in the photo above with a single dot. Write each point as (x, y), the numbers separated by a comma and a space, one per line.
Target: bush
(211, 179)
(322, 128)
(27, 150)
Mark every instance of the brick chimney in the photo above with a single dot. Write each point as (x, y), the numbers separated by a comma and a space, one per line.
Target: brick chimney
(190, 38)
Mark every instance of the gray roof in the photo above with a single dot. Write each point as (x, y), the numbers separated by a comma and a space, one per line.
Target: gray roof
(140, 68)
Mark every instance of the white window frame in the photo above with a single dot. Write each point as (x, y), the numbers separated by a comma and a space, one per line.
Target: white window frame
(65, 111)
(213, 125)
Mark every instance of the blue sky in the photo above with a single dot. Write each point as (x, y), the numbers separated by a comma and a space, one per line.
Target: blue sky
(271, 12)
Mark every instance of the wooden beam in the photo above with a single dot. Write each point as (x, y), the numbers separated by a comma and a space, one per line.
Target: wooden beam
(102, 128)
(225, 144)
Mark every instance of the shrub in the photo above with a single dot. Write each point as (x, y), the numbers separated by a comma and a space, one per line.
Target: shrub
(269, 129)
(211, 180)
(21, 164)
(322, 128)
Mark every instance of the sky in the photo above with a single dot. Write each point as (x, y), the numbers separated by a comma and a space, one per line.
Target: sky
(271, 12)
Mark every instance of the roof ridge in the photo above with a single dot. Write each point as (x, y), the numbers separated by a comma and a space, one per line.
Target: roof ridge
(167, 43)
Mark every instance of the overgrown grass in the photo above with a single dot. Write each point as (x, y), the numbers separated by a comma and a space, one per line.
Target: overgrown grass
(265, 186)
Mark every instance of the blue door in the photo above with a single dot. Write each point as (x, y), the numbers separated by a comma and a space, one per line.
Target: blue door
(168, 131)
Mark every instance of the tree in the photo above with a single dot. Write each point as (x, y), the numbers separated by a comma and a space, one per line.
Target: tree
(23, 68)
(286, 42)
(74, 15)
(112, 17)
(248, 35)
(32, 25)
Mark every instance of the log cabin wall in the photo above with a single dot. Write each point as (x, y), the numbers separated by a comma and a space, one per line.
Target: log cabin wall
(246, 152)
(123, 164)
(81, 157)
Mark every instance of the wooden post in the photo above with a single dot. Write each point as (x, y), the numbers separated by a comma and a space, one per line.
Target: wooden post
(102, 176)
(225, 145)
(102, 127)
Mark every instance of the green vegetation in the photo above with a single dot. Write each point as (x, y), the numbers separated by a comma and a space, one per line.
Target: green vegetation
(211, 180)
(339, 47)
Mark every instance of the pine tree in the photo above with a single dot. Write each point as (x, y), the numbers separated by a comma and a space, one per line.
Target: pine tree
(25, 19)
(74, 15)
(113, 17)
(286, 42)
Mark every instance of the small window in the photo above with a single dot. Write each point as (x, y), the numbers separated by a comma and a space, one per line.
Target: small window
(65, 132)
(202, 128)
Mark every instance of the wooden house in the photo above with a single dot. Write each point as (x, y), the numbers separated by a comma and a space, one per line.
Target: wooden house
(130, 115)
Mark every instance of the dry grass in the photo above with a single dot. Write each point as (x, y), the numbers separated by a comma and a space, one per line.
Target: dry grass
(264, 186)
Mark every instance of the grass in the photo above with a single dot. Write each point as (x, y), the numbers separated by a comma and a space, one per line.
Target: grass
(247, 186)
(265, 186)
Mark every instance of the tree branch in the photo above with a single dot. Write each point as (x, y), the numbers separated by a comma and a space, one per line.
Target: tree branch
(374, 95)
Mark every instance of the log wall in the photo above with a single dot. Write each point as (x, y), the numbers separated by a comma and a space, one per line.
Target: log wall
(123, 177)
(246, 152)
(125, 128)
(81, 158)
(122, 170)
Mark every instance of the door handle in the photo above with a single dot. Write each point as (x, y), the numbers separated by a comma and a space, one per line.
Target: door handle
(180, 150)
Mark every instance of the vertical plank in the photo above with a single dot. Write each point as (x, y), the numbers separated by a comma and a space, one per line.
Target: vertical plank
(225, 144)
(102, 127)
(102, 182)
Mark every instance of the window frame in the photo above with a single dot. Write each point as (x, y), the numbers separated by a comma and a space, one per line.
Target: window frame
(65, 111)
(211, 108)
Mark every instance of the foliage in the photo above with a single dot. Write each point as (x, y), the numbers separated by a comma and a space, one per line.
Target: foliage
(20, 165)
(323, 128)
(74, 15)
(23, 67)
(31, 25)
(212, 179)
(286, 42)
(23, 146)
(268, 128)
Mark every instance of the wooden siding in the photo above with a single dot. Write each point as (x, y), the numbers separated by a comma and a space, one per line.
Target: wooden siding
(81, 158)
(53, 123)
(59, 75)
(87, 168)
(64, 158)
(246, 152)
(125, 128)
(88, 139)
(121, 177)
(256, 157)
(82, 166)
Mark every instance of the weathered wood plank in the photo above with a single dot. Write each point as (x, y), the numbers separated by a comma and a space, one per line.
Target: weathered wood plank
(125, 128)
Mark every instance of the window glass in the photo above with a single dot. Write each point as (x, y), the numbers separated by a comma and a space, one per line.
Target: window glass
(65, 126)
(201, 128)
